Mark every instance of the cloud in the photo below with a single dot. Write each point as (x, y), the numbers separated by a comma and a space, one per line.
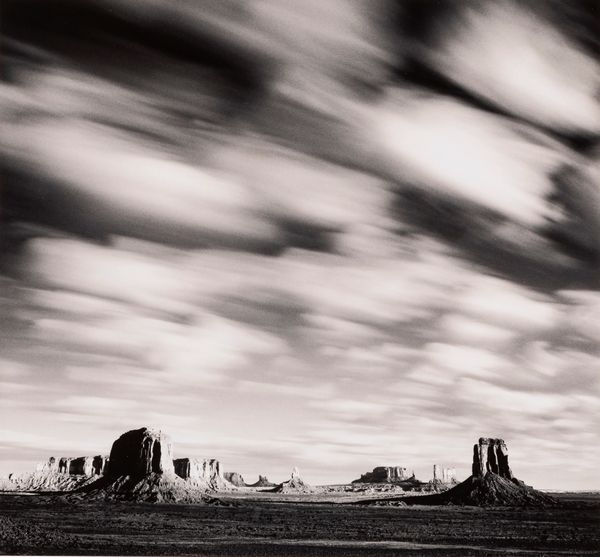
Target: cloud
(335, 330)
(320, 391)
(536, 71)
(302, 248)
(142, 191)
(314, 192)
(449, 147)
(498, 399)
(93, 404)
(472, 331)
(104, 272)
(463, 359)
(505, 304)
(212, 347)
(582, 313)
(13, 370)
(348, 409)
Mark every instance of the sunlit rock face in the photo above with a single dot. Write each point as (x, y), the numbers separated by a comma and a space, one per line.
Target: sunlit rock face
(50, 465)
(385, 474)
(491, 455)
(235, 478)
(294, 485)
(492, 483)
(444, 475)
(78, 466)
(197, 470)
(60, 474)
(141, 452)
(140, 468)
(263, 481)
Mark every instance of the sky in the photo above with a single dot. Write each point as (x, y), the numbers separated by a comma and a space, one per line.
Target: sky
(333, 235)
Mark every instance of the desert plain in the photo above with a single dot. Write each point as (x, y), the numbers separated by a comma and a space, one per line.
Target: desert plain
(265, 524)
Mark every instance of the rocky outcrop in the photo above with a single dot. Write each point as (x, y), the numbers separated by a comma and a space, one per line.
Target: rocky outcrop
(45, 481)
(385, 474)
(294, 485)
(263, 481)
(99, 465)
(64, 465)
(203, 473)
(58, 474)
(77, 466)
(235, 479)
(491, 455)
(490, 490)
(141, 469)
(492, 483)
(443, 475)
(148, 488)
(81, 466)
(50, 465)
(140, 452)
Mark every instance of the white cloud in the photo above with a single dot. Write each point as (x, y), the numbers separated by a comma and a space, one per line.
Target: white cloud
(497, 399)
(105, 272)
(465, 330)
(535, 71)
(115, 376)
(93, 404)
(335, 330)
(10, 369)
(464, 359)
(582, 313)
(351, 409)
(508, 305)
(311, 391)
(313, 192)
(141, 186)
(459, 151)
(211, 347)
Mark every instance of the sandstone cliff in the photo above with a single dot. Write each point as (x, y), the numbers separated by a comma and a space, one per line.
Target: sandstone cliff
(58, 474)
(140, 452)
(148, 488)
(491, 455)
(384, 474)
(492, 483)
(235, 479)
(44, 481)
(99, 465)
(81, 466)
(203, 473)
(294, 485)
(141, 469)
(50, 465)
(444, 475)
(263, 481)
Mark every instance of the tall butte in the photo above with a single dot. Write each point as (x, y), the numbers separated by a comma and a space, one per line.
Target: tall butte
(140, 452)
(140, 468)
(491, 455)
(492, 482)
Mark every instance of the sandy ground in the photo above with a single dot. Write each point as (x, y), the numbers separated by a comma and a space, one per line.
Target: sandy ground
(260, 525)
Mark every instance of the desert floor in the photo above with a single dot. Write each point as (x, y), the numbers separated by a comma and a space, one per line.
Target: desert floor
(257, 525)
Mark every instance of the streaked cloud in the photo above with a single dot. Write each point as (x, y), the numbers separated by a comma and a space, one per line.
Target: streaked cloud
(338, 247)
(536, 71)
